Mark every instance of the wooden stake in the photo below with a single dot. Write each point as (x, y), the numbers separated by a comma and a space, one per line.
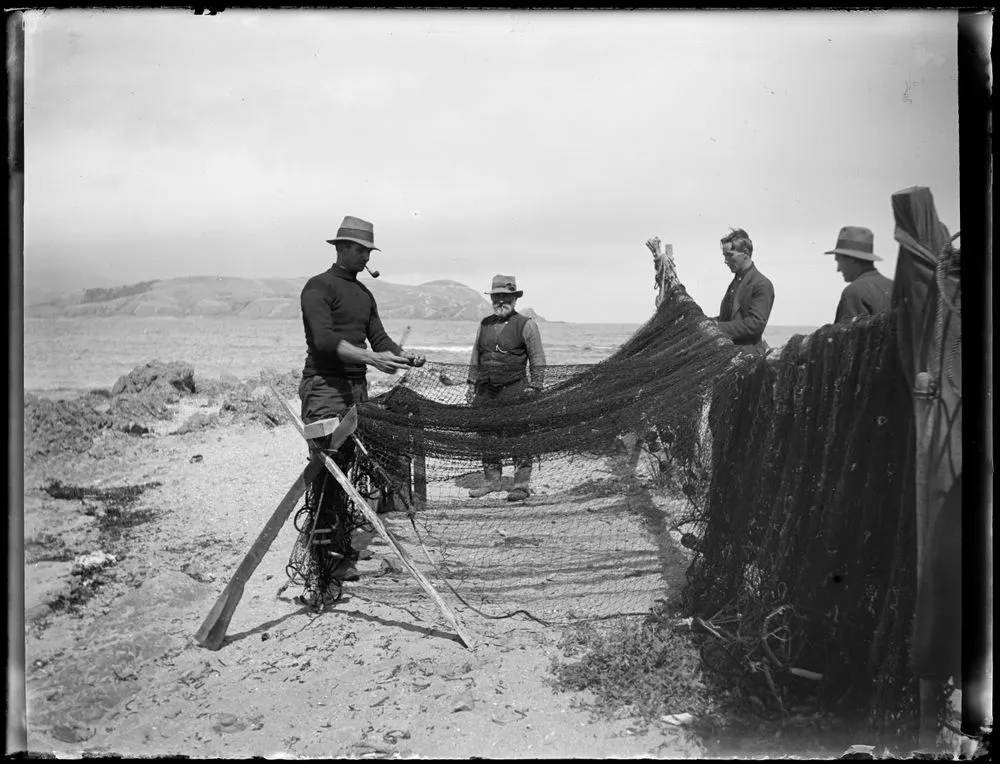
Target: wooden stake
(213, 631)
(376, 522)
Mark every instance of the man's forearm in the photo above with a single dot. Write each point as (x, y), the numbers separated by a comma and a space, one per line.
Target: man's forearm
(473, 375)
(380, 339)
(536, 354)
(352, 353)
(536, 376)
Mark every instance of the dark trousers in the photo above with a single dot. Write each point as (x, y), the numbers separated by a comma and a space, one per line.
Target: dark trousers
(488, 395)
(324, 398)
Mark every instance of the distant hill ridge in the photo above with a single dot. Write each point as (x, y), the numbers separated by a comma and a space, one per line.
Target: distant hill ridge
(278, 298)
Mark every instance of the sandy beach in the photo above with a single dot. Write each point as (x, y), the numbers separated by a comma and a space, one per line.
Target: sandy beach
(115, 590)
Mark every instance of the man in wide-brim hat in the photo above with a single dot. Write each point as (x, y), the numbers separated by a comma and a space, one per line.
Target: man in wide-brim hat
(508, 346)
(339, 315)
(867, 292)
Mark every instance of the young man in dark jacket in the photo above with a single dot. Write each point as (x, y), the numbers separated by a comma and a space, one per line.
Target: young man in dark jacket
(339, 314)
(747, 305)
(867, 292)
(508, 345)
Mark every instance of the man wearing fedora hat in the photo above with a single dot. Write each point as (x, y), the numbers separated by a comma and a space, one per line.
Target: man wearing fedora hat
(339, 314)
(747, 303)
(867, 292)
(508, 345)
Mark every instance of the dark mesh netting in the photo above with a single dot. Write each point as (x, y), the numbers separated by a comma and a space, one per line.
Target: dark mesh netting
(796, 473)
(581, 546)
(805, 577)
(326, 522)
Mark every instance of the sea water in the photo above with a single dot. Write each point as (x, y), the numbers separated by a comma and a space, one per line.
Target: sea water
(80, 354)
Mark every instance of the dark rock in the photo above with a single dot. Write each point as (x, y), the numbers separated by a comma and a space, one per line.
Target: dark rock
(59, 427)
(211, 388)
(128, 408)
(176, 376)
(244, 406)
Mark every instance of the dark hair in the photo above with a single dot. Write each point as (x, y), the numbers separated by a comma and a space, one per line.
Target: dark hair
(740, 240)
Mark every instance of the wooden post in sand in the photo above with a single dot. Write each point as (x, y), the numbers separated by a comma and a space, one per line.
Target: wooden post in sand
(213, 630)
(376, 522)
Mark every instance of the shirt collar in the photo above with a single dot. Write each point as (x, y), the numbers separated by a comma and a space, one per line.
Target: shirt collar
(341, 272)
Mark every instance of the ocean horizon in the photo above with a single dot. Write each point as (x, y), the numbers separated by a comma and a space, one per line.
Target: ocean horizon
(81, 354)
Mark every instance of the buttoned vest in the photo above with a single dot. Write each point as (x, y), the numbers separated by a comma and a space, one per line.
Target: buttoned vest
(506, 360)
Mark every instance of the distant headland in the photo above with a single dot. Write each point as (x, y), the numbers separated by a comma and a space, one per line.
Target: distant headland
(274, 298)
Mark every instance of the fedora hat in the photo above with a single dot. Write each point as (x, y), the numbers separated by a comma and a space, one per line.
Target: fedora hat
(356, 230)
(854, 241)
(504, 285)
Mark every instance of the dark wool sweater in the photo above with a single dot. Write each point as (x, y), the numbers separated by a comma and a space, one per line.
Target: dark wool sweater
(336, 307)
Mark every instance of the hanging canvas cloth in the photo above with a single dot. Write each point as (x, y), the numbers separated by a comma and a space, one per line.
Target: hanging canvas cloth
(927, 295)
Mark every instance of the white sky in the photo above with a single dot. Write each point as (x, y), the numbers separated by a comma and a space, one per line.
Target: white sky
(547, 145)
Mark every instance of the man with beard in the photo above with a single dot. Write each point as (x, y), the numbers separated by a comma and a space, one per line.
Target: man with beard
(748, 301)
(508, 345)
(339, 314)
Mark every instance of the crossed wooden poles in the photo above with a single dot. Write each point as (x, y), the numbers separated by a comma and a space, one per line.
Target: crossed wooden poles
(212, 633)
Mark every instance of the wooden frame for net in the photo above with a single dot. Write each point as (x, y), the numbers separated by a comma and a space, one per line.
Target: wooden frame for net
(212, 633)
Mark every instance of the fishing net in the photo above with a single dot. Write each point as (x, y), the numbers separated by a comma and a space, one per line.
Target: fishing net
(326, 523)
(588, 542)
(805, 574)
(795, 471)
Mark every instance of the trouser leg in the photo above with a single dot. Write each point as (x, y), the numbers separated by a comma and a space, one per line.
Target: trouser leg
(333, 520)
(515, 393)
(522, 471)
(329, 533)
(492, 471)
(492, 467)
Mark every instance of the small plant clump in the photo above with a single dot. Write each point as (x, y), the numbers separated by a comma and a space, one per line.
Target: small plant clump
(650, 671)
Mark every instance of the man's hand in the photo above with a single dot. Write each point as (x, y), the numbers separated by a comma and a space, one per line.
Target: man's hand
(387, 361)
(415, 360)
(711, 327)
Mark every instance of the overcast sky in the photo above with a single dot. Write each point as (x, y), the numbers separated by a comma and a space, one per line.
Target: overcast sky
(546, 145)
